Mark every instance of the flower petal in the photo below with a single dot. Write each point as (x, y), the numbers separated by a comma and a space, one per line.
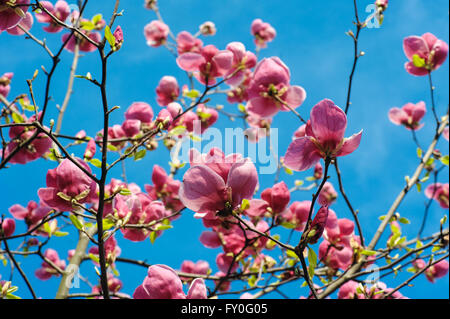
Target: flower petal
(301, 154)
(328, 122)
(350, 144)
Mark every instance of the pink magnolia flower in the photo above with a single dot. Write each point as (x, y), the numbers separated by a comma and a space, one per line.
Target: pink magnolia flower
(140, 111)
(165, 188)
(201, 267)
(118, 36)
(167, 90)
(65, 183)
(156, 33)
(114, 285)
(263, 32)
(324, 138)
(239, 94)
(277, 197)
(60, 10)
(336, 250)
(208, 28)
(32, 214)
(297, 214)
(348, 291)
(318, 225)
(318, 171)
(186, 42)
(91, 147)
(207, 117)
(5, 81)
(300, 132)
(327, 195)
(165, 118)
(8, 226)
(26, 23)
(111, 250)
(270, 89)
(218, 186)
(381, 6)
(409, 115)
(38, 147)
(84, 45)
(206, 65)
(10, 14)
(426, 53)
(162, 282)
(224, 285)
(438, 192)
(141, 209)
(436, 271)
(242, 60)
(47, 271)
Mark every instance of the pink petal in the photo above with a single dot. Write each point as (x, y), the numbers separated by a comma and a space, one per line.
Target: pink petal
(397, 116)
(197, 290)
(190, 61)
(328, 122)
(301, 154)
(350, 144)
(294, 97)
(202, 189)
(263, 107)
(161, 282)
(210, 239)
(415, 45)
(243, 180)
(412, 69)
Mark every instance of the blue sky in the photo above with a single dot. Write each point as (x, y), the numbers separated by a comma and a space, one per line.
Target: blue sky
(311, 40)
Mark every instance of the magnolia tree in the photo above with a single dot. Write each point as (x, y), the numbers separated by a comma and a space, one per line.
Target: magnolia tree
(264, 238)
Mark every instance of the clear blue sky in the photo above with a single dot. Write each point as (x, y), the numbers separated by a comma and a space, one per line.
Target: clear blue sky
(311, 40)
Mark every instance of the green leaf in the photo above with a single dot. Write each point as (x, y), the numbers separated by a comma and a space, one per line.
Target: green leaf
(193, 94)
(60, 233)
(291, 254)
(404, 220)
(245, 204)
(76, 222)
(419, 152)
(418, 61)
(178, 130)
(368, 252)
(288, 225)
(96, 162)
(110, 37)
(444, 160)
(94, 258)
(241, 108)
(125, 192)
(140, 155)
(288, 171)
(87, 25)
(152, 237)
(163, 227)
(97, 18)
(17, 118)
(108, 223)
(312, 260)
(112, 148)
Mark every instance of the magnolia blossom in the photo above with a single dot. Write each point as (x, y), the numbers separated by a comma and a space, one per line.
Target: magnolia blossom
(297, 214)
(409, 115)
(38, 147)
(186, 42)
(263, 32)
(67, 183)
(164, 188)
(84, 45)
(216, 185)
(270, 90)
(167, 90)
(32, 214)
(114, 285)
(140, 111)
(426, 53)
(433, 272)
(10, 14)
(5, 81)
(277, 197)
(324, 138)
(60, 10)
(336, 250)
(162, 282)
(242, 60)
(438, 192)
(8, 225)
(156, 33)
(111, 250)
(201, 267)
(25, 24)
(206, 65)
(327, 195)
(47, 271)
